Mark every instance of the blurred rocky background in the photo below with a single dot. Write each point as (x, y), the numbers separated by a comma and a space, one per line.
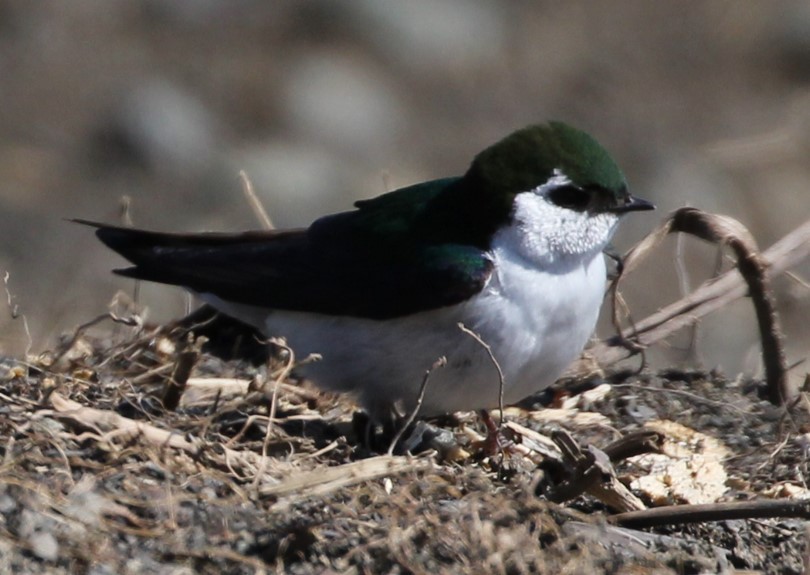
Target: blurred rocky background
(705, 103)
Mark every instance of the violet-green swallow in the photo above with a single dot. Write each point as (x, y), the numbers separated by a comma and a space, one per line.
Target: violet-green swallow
(512, 250)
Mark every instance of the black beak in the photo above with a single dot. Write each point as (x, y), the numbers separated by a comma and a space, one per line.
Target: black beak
(632, 204)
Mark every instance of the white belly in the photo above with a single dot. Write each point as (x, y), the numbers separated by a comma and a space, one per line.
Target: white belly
(536, 323)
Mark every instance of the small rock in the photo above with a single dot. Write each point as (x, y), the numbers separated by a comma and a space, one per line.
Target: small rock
(164, 128)
(346, 103)
(36, 529)
(451, 35)
(44, 545)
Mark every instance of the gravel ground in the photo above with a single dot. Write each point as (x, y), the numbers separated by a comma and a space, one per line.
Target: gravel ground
(97, 478)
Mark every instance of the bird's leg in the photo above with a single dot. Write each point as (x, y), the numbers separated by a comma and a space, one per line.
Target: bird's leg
(495, 441)
(376, 426)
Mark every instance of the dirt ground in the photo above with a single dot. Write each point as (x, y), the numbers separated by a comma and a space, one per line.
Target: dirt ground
(96, 477)
(323, 103)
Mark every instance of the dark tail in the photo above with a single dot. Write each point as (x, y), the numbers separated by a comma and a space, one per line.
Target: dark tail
(200, 261)
(142, 248)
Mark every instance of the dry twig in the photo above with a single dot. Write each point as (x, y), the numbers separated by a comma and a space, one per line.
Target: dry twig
(590, 471)
(441, 362)
(493, 359)
(673, 514)
(754, 268)
(187, 357)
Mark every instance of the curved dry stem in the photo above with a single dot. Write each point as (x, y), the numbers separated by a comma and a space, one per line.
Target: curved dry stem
(753, 271)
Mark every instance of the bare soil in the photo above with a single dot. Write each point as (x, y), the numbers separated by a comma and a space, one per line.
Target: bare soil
(212, 487)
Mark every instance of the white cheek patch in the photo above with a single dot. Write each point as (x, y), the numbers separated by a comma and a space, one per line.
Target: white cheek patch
(545, 232)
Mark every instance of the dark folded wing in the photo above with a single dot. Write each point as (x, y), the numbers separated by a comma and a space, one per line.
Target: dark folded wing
(316, 270)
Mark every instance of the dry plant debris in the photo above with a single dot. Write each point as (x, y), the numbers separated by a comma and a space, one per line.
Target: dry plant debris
(97, 476)
(249, 471)
(753, 272)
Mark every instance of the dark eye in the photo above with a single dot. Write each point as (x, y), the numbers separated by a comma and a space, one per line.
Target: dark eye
(570, 197)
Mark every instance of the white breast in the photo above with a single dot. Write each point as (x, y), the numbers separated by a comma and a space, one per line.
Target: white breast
(536, 323)
(536, 313)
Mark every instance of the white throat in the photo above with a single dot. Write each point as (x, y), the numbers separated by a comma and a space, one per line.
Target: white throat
(548, 235)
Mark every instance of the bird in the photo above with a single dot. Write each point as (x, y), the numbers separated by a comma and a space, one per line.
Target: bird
(499, 271)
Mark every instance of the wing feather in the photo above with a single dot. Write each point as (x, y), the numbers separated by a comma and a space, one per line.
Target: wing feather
(365, 263)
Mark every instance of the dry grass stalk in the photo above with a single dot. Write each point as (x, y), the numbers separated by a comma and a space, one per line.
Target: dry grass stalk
(255, 203)
(322, 481)
(14, 309)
